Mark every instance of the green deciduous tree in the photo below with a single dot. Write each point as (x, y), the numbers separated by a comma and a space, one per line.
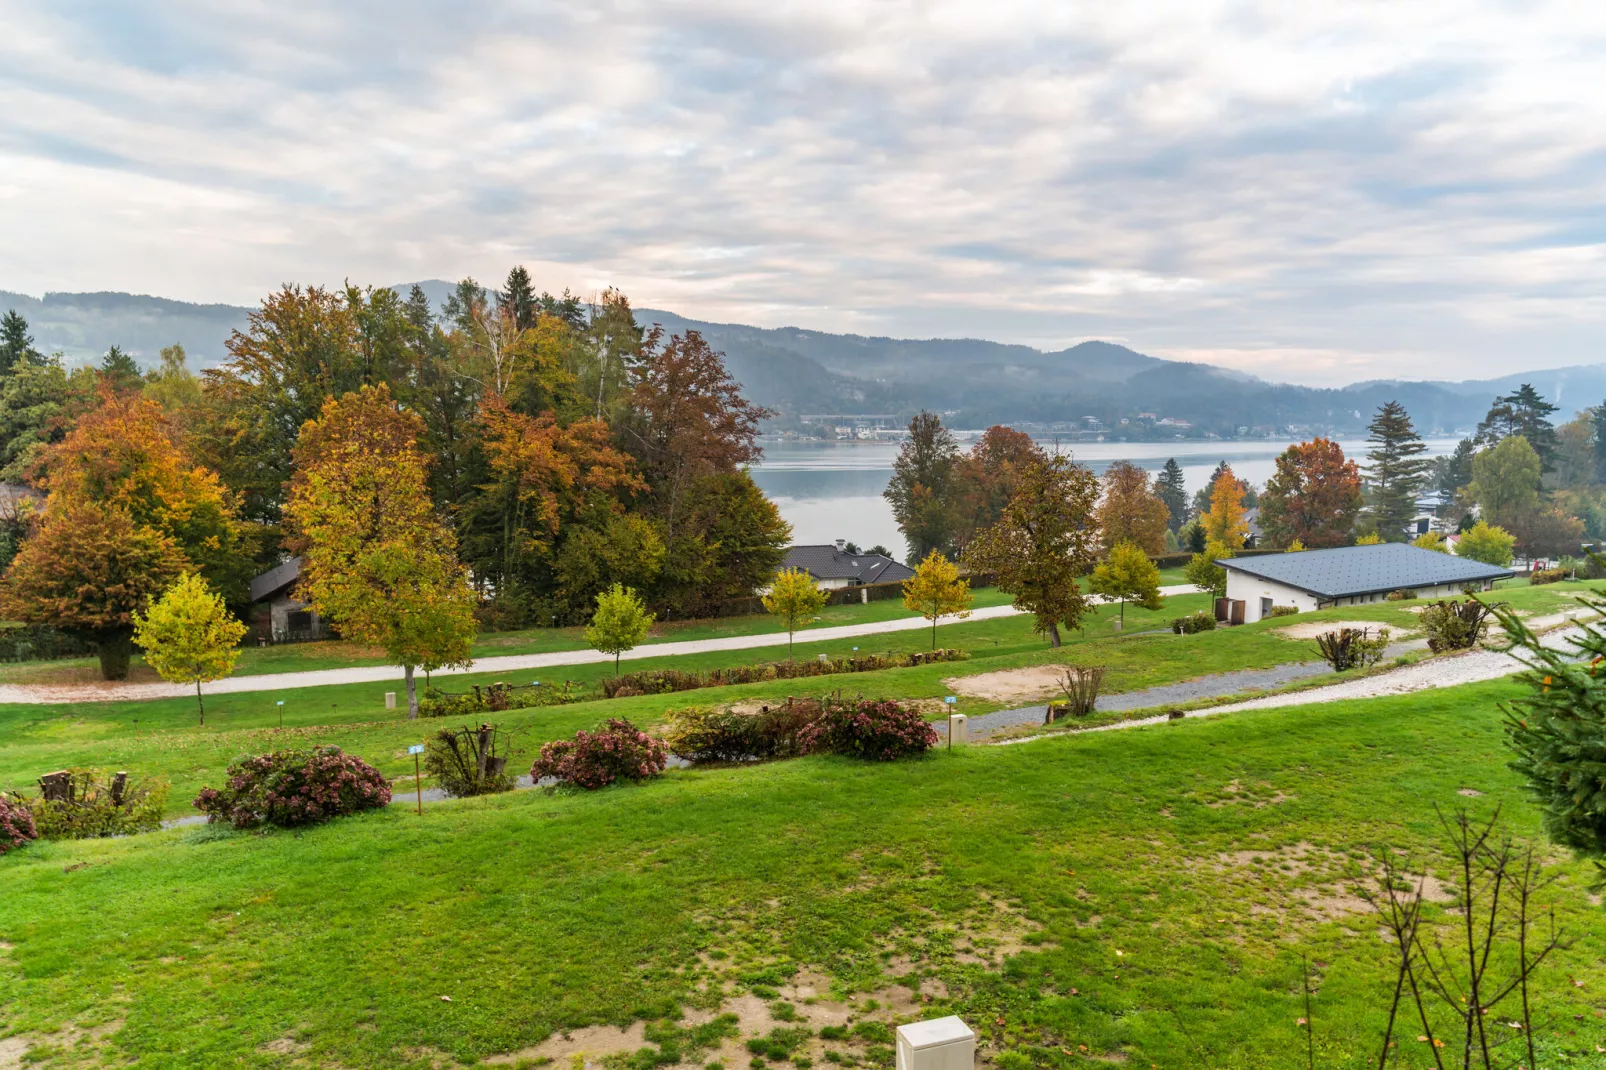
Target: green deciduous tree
(1128, 575)
(1397, 471)
(1505, 481)
(936, 591)
(189, 636)
(620, 623)
(1203, 572)
(793, 599)
(375, 558)
(1487, 543)
(923, 490)
(1046, 538)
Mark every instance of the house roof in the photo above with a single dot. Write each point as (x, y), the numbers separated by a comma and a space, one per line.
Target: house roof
(276, 580)
(1354, 570)
(829, 563)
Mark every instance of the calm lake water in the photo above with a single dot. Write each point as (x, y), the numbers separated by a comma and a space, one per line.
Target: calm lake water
(832, 490)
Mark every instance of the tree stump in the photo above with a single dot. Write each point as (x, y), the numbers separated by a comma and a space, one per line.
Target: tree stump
(119, 787)
(482, 747)
(57, 786)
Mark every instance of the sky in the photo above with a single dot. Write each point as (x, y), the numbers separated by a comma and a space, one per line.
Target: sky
(1313, 192)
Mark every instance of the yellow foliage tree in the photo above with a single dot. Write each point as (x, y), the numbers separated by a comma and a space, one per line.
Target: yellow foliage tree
(1431, 540)
(1294, 547)
(935, 590)
(793, 599)
(1374, 539)
(1225, 522)
(189, 636)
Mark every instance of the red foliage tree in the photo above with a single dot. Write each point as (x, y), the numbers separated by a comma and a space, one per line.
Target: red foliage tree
(1314, 496)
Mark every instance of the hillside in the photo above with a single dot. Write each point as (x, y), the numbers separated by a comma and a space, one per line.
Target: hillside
(977, 382)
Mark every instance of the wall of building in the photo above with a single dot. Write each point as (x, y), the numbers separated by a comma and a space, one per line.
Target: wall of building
(1252, 589)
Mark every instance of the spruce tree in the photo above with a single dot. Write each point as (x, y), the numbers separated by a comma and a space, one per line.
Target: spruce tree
(1523, 412)
(1397, 471)
(517, 298)
(1169, 488)
(16, 347)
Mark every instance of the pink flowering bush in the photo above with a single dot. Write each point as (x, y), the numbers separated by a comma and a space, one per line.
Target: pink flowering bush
(16, 825)
(879, 731)
(593, 760)
(294, 787)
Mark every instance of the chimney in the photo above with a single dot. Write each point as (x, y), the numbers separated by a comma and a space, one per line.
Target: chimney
(841, 545)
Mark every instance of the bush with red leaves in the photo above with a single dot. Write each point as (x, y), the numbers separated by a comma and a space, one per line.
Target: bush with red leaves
(16, 825)
(593, 760)
(879, 731)
(294, 787)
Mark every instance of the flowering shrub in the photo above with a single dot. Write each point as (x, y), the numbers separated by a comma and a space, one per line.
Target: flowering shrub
(594, 760)
(715, 734)
(16, 824)
(879, 731)
(294, 787)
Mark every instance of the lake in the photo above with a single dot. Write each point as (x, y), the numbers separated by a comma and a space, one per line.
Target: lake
(832, 490)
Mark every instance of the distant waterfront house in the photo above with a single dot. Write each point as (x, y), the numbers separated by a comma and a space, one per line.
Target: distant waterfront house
(1347, 576)
(287, 618)
(833, 566)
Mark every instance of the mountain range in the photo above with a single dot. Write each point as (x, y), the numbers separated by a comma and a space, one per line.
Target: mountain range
(801, 372)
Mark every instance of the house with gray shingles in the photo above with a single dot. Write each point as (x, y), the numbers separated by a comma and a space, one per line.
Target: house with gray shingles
(1347, 576)
(833, 566)
(288, 618)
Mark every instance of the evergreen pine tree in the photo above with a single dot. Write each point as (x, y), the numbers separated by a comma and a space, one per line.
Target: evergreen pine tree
(1454, 472)
(1397, 470)
(119, 369)
(1523, 412)
(1169, 488)
(517, 298)
(16, 347)
(1598, 416)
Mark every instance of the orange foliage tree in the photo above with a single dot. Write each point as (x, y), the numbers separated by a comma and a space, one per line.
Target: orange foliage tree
(987, 476)
(1225, 521)
(1313, 498)
(1130, 511)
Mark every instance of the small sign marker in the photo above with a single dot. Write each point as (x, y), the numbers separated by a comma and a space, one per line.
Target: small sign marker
(418, 778)
(950, 699)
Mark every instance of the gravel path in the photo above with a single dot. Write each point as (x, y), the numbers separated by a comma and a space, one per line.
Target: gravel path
(125, 692)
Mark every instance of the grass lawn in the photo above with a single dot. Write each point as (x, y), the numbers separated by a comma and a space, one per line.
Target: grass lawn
(1141, 896)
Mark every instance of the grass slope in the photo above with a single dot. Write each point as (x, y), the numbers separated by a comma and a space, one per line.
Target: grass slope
(199, 948)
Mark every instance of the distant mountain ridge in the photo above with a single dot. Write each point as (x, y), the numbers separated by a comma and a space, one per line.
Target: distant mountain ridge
(798, 371)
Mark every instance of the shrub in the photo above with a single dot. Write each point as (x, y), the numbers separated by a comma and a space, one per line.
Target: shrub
(494, 698)
(1283, 611)
(294, 787)
(79, 804)
(1546, 575)
(665, 681)
(1194, 622)
(713, 734)
(1399, 596)
(1081, 686)
(467, 761)
(878, 730)
(594, 760)
(1455, 625)
(16, 824)
(1352, 648)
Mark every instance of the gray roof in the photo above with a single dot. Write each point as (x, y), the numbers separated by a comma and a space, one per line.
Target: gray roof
(829, 563)
(276, 580)
(1353, 570)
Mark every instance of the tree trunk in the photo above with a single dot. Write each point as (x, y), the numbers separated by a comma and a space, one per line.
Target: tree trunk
(412, 695)
(616, 664)
(114, 648)
(934, 633)
(201, 705)
(1054, 635)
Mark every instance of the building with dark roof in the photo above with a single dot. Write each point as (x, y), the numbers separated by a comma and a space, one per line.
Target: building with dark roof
(833, 566)
(1350, 575)
(287, 618)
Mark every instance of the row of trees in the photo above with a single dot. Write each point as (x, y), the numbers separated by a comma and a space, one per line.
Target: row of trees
(514, 457)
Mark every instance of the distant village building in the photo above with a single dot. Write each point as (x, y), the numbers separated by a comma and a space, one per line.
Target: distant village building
(1347, 576)
(283, 618)
(834, 567)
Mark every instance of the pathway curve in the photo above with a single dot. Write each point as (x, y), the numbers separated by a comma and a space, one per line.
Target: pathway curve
(110, 691)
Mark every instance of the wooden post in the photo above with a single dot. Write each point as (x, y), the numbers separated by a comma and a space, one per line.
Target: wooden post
(483, 746)
(119, 786)
(418, 784)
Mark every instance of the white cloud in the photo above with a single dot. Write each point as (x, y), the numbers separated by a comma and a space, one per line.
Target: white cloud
(1313, 192)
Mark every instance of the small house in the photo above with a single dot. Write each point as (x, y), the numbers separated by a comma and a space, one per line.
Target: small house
(834, 567)
(1348, 576)
(288, 619)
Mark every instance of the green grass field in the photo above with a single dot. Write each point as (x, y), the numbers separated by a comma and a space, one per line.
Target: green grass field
(1141, 896)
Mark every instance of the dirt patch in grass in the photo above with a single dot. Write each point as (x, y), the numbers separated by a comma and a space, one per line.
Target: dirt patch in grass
(1312, 628)
(1034, 683)
(80, 1046)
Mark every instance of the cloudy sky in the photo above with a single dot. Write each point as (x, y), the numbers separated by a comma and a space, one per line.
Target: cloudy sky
(1317, 192)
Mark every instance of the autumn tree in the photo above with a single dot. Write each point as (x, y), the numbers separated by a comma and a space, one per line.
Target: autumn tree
(1128, 575)
(1314, 496)
(936, 591)
(1397, 471)
(1548, 532)
(793, 599)
(1130, 511)
(88, 569)
(1171, 488)
(1225, 522)
(619, 624)
(923, 492)
(1505, 481)
(189, 636)
(376, 559)
(1047, 537)
(985, 478)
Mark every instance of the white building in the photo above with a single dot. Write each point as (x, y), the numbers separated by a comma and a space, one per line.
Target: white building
(1350, 575)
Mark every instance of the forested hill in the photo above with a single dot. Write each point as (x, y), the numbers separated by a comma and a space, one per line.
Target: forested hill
(797, 371)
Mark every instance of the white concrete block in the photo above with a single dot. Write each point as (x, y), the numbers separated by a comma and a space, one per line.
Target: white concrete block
(958, 728)
(937, 1044)
(390, 700)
